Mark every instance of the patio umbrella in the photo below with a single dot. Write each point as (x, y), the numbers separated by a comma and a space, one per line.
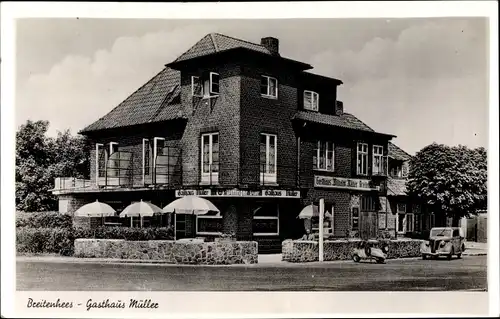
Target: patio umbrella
(311, 211)
(95, 209)
(190, 205)
(140, 209)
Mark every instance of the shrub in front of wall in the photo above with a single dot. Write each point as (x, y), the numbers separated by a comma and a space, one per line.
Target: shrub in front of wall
(43, 220)
(60, 241)
(44, 241)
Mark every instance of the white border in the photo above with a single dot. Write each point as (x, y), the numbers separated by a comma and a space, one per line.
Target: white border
(277, 304)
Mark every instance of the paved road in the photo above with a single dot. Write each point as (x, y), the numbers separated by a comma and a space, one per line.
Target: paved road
(468, 273)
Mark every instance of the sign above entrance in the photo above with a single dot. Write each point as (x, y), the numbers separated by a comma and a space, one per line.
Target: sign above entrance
(345, 183)
(266, 193)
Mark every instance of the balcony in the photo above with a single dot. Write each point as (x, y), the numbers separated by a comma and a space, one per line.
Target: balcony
(120, 171)
(380, 168)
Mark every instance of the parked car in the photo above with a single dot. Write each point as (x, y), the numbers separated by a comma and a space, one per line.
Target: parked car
(443, 241)
(371, 250)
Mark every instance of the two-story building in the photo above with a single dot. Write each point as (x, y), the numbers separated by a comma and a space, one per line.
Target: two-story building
(250, 130)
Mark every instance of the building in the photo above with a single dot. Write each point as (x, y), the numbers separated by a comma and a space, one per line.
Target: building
(252, 131)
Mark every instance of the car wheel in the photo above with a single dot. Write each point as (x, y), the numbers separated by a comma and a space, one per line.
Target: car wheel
(356, 258)
(424, 257)
(459, 256)
(380, 260)
(451, 254)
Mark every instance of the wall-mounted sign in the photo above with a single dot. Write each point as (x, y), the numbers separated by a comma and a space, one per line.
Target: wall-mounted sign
(266, 193)
(346, 183)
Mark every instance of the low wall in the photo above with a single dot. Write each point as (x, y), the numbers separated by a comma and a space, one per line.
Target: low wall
(169, 251)
(307, 251)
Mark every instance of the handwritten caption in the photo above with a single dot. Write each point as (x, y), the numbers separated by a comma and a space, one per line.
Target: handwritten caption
(93, 304)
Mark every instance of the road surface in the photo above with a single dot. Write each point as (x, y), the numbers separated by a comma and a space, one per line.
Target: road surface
(468, 273)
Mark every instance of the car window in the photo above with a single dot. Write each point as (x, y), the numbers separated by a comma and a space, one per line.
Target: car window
(444, 232)
(456, 233)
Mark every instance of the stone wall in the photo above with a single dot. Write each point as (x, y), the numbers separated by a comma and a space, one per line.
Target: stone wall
(307, 251)
(172, 252)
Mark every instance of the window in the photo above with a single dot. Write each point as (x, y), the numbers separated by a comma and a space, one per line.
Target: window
(100, 158)
(401, 208)
(266, 220)
(205, 86)
(355, 218)
(368, 204)
(410, 220)
(146, 158)
(311, 100)
(269, 87)
(113, 147)
(210, 158)
(379, 161)
(362, 159)
(158, 146)
(396, 171)
(323, 158)
(404, 170)
(268, 158)
(208, 224)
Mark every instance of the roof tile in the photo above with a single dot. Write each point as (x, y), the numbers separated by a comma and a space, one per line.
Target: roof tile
(345, 120)
(396, 187)
(150, 103)
(397, 153)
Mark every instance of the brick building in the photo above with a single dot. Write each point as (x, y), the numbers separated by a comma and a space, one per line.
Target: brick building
(250, 130)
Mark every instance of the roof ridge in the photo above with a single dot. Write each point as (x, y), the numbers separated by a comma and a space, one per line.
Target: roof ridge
(197, 42)
(238, 39)
(216, 47)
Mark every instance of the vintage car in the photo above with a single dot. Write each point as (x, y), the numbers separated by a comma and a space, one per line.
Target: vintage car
(443, 241)
(371, 250)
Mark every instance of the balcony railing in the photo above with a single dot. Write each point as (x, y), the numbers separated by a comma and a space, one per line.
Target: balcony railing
(73, 183)
(118, 171)
(167, 170)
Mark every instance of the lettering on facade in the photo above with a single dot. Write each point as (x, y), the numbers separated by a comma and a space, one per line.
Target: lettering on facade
(339, 182)
(238, 193)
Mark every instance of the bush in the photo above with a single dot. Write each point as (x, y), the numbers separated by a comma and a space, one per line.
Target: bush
(43, 220)
(61, 240)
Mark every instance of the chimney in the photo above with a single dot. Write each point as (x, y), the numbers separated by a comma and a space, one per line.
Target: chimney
(272, 44)
(339, 108)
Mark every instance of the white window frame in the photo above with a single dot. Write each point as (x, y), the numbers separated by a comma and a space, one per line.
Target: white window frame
(97, 146)
(210, 176)
(364, 157)
(155, 152)
(269, 177)
(378, 152)
(318, 156)
(211, 86)
(197, 79)
(145, 149)
(270, 218)
(218, 216)
(268, 95)
(111, 147)
(314, 100)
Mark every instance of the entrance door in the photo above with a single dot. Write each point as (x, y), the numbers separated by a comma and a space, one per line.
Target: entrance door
(368, 225)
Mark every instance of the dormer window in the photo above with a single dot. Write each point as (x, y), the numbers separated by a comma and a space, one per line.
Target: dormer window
(269, 87)
(311, 100)
(206, 85)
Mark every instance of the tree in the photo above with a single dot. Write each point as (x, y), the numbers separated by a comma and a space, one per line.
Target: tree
(39, 159)
(452, 180)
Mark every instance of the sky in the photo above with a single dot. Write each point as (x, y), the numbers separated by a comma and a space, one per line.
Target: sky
(423, 80)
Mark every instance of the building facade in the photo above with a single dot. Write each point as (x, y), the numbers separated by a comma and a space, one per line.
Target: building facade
(250, 130)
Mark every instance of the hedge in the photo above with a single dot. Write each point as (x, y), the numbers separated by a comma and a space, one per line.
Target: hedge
(61, 240)
(43, 220)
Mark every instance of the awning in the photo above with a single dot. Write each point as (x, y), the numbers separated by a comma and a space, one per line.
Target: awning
(311, 211)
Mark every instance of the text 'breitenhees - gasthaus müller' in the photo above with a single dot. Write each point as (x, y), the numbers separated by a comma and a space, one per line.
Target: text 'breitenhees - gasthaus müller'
(94, 304)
